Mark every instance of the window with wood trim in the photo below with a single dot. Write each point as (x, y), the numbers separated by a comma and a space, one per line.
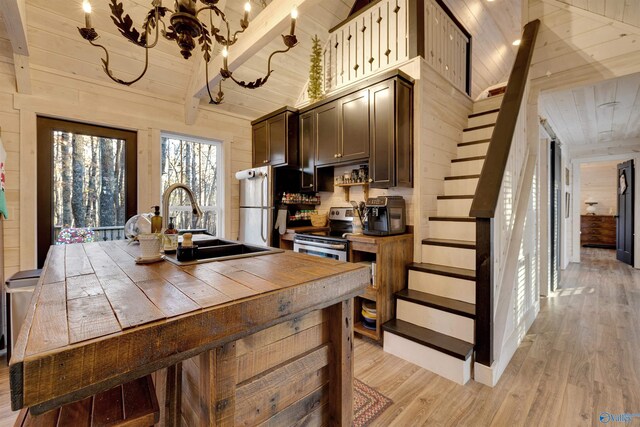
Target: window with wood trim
(87, 183)
(196, 163)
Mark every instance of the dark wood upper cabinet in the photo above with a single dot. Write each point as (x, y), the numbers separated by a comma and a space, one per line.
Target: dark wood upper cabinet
(382, 111)
(391, 160)
(327, 133)
(260, 144)
(275, 139)
(354, 127)
(404, 133)
(307, 151)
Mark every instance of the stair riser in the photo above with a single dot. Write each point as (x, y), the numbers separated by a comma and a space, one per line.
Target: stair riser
(444, 286)
(453, 369)
(450, 257)
(453, 230)
(471, 167)
(485, 119)
(454, 207)
(487, 104)
(460, 187)
(437, 320)
(473, 150)
(476, 135)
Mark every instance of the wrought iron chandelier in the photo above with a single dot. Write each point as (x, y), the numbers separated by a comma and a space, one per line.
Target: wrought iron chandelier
(186, 29)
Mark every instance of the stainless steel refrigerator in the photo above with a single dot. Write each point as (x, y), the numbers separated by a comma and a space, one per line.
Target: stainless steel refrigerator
(257, 208)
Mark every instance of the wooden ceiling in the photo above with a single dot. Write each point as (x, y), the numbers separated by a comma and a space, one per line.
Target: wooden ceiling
(604, 113)
(56, 47)
(624, 11)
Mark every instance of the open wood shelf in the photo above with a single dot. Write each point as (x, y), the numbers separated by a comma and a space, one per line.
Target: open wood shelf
(392, 255)
(369, 333)
(347, 187)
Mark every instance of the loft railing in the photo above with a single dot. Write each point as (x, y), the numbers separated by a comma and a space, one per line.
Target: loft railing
(488, 192)
(387, 33)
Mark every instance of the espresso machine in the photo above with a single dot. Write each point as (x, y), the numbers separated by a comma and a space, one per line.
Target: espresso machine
(384, 216)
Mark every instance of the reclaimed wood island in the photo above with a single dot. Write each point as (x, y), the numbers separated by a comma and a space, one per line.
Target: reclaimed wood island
(266, 339)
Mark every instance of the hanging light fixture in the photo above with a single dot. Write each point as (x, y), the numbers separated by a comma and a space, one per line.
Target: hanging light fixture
(185, 28)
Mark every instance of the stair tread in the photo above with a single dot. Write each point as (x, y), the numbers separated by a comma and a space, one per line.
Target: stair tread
(464, 244)
(438, 302)
(468, 159)
(482, 113)
(488, 125)
(443, 270)
(453, 218)
(456, 197)
(444, 343)
(455, 177)
(477, 141)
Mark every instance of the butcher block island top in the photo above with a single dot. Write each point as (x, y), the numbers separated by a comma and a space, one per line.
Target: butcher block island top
(98, 320)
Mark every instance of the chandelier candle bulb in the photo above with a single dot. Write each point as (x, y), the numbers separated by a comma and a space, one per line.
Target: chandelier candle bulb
(247, 9)
(225, 55)
(86, 6)
(294, 16)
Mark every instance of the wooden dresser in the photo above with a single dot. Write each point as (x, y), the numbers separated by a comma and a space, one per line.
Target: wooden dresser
(598, 231)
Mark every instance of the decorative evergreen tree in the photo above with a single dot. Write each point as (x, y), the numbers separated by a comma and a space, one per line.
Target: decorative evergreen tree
(314, 90)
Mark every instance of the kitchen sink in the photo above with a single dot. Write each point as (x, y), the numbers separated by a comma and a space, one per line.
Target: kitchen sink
(210, 250)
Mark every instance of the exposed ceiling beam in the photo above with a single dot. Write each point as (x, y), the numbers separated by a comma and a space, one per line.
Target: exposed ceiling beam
(269, 24)
(192, 102)
(13, 14)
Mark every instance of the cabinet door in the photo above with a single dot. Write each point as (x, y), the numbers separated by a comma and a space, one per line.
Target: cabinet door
(277, 137)
(307, 149)
(404, 134)
(354, 127)
(382, 160)
(260, 144)
(327, 132)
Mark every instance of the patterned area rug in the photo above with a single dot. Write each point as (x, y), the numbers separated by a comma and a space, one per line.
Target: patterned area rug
(368, 403)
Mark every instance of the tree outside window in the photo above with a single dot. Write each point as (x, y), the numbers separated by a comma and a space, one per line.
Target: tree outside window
(195, 163)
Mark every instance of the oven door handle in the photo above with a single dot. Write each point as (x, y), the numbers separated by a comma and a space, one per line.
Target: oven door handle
(320, 245)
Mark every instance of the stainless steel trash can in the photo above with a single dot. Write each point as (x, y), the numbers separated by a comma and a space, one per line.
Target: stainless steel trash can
(19, 290)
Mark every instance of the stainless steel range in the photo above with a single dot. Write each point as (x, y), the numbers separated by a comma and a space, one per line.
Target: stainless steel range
(328, 244)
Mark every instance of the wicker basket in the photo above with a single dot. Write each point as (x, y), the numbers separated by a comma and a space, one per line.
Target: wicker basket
(318, 220)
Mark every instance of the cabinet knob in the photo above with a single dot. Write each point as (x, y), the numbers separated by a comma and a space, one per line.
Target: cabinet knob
(335, 156)
(265, 161)
(370, 179)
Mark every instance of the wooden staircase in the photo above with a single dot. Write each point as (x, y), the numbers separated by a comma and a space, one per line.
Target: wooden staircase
(435, 315)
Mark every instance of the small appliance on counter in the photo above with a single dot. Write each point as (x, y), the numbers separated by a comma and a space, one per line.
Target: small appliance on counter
(384, 216)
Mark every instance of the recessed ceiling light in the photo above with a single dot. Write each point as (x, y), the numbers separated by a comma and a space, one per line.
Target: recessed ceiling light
(516, 42)
(608, 104)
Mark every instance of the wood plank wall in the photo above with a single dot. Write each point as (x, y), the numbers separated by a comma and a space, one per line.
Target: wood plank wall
(66, 95)
(280, 376)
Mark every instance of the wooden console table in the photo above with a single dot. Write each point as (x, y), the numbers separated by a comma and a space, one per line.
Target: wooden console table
(598, 231)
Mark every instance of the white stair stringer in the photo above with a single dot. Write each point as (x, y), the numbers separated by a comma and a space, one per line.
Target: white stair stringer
(451, 368)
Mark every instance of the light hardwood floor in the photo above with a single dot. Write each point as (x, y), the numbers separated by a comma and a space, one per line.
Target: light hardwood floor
(581, 357)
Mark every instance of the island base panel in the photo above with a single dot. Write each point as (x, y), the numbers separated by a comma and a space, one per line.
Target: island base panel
(282, 375)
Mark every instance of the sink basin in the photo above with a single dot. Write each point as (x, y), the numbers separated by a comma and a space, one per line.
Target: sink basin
(210, 250)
